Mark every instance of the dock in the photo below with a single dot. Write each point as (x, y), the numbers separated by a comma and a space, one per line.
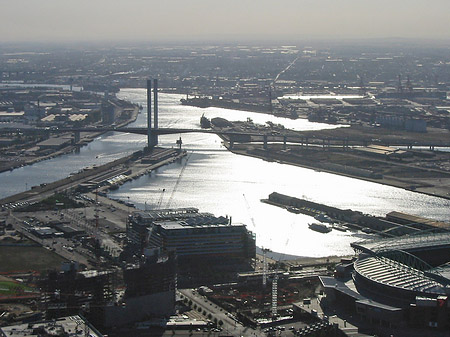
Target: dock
(102, 177)
(388, 226)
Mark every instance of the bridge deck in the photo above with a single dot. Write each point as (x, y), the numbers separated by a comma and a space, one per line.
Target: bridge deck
(256, 136)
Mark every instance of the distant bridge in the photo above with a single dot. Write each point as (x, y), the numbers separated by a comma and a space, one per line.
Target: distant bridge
(233, 136)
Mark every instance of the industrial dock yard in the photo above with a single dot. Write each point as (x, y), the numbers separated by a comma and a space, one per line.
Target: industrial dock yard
(415, 163)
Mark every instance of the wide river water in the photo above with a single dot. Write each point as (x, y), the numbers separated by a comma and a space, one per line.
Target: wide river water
(217, 181)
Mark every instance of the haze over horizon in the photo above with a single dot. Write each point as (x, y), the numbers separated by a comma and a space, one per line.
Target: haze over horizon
(200, 20)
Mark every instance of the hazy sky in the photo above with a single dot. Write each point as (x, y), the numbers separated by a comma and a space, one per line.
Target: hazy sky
(94, 20)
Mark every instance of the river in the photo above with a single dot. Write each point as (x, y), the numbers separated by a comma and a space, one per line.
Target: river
(217, 181)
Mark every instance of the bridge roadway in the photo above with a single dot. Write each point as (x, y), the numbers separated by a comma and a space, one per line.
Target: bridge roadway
(256, 137)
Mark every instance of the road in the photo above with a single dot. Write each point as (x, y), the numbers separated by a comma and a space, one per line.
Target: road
(231, 326)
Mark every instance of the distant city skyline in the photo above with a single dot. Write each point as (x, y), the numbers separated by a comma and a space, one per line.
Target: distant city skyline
(232, 20)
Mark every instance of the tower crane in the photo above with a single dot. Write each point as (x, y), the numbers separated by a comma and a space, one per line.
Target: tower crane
(158, 205)
(264, 278)
(178, 181)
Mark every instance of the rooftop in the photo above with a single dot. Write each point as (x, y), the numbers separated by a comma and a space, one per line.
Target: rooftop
(404, 243)
(65, 326)
(174, 225)
(391, 273)
(181, 218)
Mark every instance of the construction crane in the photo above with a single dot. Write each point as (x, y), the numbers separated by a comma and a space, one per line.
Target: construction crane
(275, 294)
(264, 251)
(158, 205)
(178, 181)
(96, 209)
(274, 307)
(275, 285)
(264, 279)
(248, 210)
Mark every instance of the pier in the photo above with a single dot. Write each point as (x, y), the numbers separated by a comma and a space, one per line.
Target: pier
(132, 166)
(386, 227)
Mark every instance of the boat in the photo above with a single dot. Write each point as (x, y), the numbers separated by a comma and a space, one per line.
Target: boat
(323, 218)
(339, 227)
(201, 102)
(319, 227)
(293, 210)
(205, 123)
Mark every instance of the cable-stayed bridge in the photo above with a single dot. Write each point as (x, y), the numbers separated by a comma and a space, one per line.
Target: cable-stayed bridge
(232, 135)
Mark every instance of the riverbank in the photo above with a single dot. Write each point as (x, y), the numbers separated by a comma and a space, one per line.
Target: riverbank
(205, 102)
(432, 186)
(85, 138)
(131, 167)
(292, 262)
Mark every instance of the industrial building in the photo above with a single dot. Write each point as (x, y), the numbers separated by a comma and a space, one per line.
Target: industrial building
(417, 221)
(192, 235)
(396, 281)
(54, 143)
(394, 224)
(382, 151)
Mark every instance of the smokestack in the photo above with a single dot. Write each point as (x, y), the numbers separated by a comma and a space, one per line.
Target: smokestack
(155, 109)
(149, 114)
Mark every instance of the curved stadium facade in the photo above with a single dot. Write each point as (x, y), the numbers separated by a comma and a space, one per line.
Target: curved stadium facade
(395, 281)
(391, 269)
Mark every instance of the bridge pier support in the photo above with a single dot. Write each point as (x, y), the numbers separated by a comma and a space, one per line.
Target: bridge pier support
(155, 111)
(431, 147)
(231, 144)
(149, 116)
(76, 137)
(152, 137)
(284, 142)
(179, 142)
(265, 142)
(345, 144)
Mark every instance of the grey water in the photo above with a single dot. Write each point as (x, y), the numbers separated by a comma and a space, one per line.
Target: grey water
(217, 181)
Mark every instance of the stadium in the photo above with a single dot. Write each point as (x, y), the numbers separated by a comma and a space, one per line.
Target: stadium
(395, 282)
